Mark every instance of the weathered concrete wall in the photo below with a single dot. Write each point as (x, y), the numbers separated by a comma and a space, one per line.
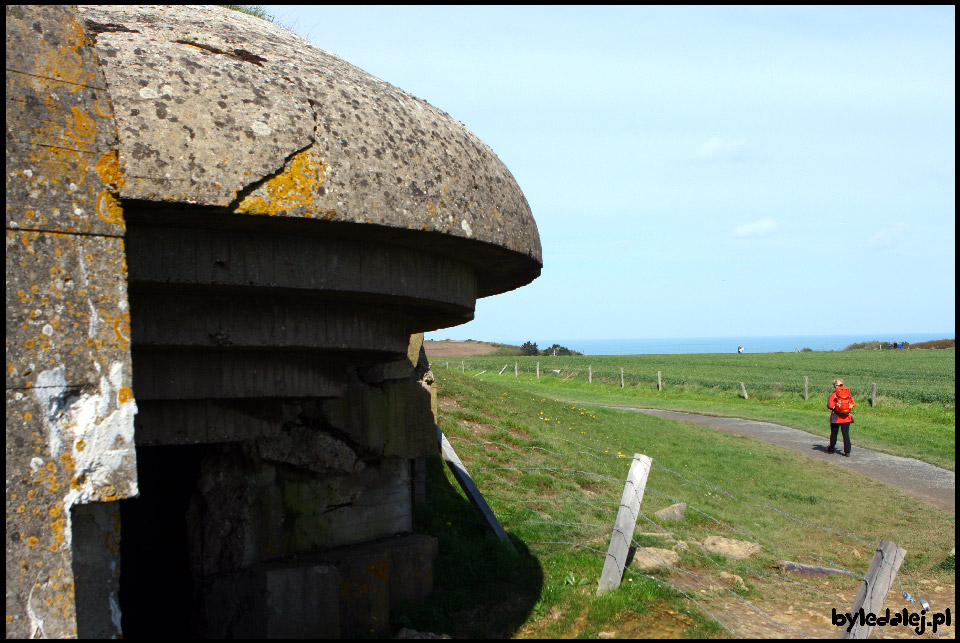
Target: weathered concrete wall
(70, 408)
(251, 235)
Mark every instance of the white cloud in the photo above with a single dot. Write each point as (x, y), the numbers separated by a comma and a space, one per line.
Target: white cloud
(718, 148)
(760, 228)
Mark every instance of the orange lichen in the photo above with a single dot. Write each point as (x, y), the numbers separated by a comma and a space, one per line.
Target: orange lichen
(108, 167)
(124, 395)
(81, 127)
(109, 209)
(295, 186)
(68, 462)
(57, 527)
(96, 107)
(121, 327)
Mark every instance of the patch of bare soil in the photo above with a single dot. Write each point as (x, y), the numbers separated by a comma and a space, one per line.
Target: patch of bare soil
(790, 611)
(659, 622)
(448, 348)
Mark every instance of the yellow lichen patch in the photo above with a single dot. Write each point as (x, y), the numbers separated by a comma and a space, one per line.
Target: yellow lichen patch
(59, 64)
(121, 327)
(108, 167)
(296, 186)
(67, 163)
(108, 208)
(81, 127)
(100, 112)
(57, 526)
(74, 39)
(68, 462)
(124, 395)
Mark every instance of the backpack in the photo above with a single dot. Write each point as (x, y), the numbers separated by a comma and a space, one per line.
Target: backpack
(844, 400)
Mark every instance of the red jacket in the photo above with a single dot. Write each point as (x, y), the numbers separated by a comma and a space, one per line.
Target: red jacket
(839, 418)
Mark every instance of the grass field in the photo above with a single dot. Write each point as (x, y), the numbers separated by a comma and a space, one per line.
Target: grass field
(553, 473)
(914, 416)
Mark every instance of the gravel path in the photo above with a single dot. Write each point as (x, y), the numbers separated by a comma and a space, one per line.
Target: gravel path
(919, 479)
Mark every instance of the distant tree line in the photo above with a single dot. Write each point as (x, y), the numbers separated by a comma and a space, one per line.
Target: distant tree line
(530, 348)
(876, 345)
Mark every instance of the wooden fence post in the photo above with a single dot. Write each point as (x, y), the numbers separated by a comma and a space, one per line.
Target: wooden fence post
(623, 528)
(806, 388)
(659, 383)
(462, 368)
(470, 489)
(621, 377)
(876, 584)
(744, 389)
(538, 371)
(873, 396)
(590, 375)
(503, 369)
(516, 371)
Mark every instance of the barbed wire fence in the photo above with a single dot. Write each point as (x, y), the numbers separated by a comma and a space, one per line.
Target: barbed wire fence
(548, 503)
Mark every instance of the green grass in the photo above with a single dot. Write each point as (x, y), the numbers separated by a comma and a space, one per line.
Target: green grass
(553, 473)
(914, 414)
(256, 10)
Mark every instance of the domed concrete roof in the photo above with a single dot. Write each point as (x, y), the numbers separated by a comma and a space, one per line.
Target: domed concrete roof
(220, 109)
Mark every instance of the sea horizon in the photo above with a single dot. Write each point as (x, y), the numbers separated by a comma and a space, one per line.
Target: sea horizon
(751, 344)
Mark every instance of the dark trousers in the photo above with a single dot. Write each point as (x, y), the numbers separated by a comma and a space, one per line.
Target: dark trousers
(846, 435)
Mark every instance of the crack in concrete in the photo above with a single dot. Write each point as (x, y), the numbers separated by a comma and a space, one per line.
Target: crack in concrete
(244, 192)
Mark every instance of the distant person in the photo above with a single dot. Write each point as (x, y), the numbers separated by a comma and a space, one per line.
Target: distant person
(739, 349)
(841, 405)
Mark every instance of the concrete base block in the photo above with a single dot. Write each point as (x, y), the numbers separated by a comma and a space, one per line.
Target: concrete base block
(276, 602)
(303, 603)
(411, 569)
(380, 576)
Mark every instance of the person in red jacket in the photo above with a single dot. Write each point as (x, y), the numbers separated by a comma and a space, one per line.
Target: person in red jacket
(841, 405)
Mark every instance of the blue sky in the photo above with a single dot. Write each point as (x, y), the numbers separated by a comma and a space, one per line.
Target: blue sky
(699, 171)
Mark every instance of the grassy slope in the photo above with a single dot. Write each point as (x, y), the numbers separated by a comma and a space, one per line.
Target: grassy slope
(508, 437)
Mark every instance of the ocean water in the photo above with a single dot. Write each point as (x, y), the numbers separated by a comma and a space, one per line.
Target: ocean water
(775, 344)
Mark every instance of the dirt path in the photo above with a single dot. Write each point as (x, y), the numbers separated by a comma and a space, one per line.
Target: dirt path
(924, 481)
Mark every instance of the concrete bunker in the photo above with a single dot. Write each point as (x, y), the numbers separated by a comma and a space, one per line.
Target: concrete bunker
(223, 247)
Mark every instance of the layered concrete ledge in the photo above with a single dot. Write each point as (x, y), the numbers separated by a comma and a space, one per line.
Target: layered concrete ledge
(218, 108)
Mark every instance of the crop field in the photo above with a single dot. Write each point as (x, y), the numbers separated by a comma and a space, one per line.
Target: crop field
(914, 413)
(910, 376)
